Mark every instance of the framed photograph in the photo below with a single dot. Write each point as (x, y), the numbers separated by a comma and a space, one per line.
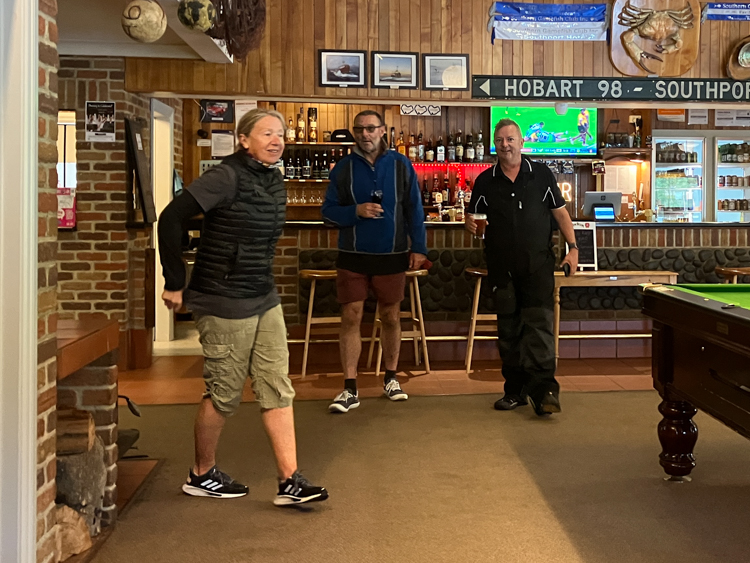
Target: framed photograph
(395, 70)
(100, 122)
(217, 111)
(342, 69)
(445, 72)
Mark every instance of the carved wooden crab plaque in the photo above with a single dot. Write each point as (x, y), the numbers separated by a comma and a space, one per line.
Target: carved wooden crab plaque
(655, 37)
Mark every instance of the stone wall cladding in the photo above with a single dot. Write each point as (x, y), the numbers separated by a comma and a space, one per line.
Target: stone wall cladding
(94, 389)
(46, 521)
(102, 262)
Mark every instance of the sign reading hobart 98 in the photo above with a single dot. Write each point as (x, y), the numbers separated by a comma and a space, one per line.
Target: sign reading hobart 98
(655, 37)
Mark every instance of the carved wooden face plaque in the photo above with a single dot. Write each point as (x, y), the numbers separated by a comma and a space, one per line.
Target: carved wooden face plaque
(655, 37)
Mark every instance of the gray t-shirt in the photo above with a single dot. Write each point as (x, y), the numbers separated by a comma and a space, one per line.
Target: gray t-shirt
(217, 187)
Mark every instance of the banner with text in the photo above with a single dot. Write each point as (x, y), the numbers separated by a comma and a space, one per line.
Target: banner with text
(607, 89)
(727, 11)
(548, 22)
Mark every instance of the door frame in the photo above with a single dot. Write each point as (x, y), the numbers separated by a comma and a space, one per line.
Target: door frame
(19, 61)
(161, 113)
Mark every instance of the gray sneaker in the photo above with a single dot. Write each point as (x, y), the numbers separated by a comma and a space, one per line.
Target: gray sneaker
(394, 392)
(344, 401)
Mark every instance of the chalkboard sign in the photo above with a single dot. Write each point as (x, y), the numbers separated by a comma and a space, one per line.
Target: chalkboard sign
(586, 240)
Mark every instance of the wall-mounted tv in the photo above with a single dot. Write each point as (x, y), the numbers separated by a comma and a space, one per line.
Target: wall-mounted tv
(549, 134)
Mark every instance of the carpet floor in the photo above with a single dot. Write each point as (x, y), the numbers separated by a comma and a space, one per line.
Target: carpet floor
(446, 479)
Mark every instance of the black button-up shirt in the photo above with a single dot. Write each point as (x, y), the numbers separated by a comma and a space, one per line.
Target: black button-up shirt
(518, 238)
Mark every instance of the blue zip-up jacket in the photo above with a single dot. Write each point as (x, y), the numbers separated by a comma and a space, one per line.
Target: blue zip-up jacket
(352, 182)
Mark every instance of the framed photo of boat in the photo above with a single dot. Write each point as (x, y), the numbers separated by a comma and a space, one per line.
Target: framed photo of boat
(445, 71)
(342, 69)
(395, 70)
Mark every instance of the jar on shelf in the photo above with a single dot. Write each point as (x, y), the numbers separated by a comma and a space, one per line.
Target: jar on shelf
(722, 180)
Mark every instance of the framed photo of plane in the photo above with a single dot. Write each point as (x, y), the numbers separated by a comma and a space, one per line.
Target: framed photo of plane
(395, 70)
(342, 69)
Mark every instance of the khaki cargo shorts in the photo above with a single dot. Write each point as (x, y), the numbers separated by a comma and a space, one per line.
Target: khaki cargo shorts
(234, 349)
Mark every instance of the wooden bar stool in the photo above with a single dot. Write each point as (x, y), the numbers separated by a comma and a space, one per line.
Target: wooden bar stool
(731, 274)
(417, 332)
(483, 318)
(316, 275)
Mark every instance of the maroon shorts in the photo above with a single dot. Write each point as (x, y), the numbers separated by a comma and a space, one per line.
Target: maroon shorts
(352, 287)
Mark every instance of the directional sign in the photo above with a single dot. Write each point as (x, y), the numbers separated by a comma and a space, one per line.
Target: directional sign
(609, 89)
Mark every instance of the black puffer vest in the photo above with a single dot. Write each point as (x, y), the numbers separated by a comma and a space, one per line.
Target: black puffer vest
(235, 256)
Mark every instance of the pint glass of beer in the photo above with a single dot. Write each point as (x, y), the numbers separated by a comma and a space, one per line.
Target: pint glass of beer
(481, 221)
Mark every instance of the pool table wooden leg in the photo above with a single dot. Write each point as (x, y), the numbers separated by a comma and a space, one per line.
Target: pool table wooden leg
(677, 434)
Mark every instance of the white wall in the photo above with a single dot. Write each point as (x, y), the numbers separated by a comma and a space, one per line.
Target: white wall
(18, 252)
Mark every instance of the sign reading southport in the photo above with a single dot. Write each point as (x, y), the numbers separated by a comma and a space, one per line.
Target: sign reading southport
(608, 89)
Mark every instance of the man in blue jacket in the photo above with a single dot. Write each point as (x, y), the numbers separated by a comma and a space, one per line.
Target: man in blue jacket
(373, 198)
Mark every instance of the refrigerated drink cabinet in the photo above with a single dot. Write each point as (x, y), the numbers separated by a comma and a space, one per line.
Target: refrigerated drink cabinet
(732, 180)
(678, 170)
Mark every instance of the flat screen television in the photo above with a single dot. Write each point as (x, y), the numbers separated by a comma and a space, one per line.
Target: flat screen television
(548, 134)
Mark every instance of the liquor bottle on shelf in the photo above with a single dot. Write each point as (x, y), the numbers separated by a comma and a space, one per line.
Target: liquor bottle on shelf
(280, 165)
(467, 197)
(316, 167)
(429, 153)
(437, 195)
(425, 192)
(332, 162)
(324, 169)
(469, 152)
(420, 148)
(446, 190)
(440, 151)
(412, 150)
(341, 154)
(451, 152)
(291, 134)
(479, 149)
(301, 136)
(306, 167)
(459, 147)
(400, 144)
(312, 125)
(289, 170)
(392, 146)
(298, 167)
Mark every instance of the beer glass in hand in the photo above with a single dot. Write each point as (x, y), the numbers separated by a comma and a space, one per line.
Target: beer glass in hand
(480, 220)
(377, 197)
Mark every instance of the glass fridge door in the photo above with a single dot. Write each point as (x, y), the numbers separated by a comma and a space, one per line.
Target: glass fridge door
(678, 174)
(733, 180)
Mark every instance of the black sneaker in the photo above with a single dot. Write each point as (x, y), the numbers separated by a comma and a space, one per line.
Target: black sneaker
(298, 490)
(548, 404)
(509, 402)
(394, 392)
(344, 401)
(213, 483)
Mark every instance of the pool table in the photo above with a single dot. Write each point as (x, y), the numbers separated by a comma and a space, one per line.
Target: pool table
(700, 360)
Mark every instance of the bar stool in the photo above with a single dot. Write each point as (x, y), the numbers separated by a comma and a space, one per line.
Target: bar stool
(483, 318)
(731, 274)
(316, 275)
(417, 332)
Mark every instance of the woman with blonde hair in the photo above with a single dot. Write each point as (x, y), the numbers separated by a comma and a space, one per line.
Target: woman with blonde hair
(232, 295)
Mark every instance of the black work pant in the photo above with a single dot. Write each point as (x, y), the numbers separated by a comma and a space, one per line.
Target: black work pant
(525, 338)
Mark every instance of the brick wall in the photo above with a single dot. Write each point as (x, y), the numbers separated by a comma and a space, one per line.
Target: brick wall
(47, 529)
(101, 263)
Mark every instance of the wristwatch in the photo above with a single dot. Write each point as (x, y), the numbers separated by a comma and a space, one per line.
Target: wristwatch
(572, 246)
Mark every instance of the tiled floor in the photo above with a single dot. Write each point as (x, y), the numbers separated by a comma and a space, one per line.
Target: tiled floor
(157, 384)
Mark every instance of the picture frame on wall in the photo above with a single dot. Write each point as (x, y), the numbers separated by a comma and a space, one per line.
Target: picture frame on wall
(395, 70)
(342, 69)
(445, 71)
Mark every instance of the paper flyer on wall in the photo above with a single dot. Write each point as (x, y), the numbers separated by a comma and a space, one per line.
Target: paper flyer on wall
(222, 143)
(100, 122)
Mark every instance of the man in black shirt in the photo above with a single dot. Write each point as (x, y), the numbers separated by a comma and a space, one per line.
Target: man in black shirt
(523, 204)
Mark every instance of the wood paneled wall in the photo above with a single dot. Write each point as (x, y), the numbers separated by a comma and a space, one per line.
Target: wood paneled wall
(286, 62)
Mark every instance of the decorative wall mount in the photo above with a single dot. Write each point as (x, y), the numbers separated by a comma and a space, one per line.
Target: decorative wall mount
(655, 37)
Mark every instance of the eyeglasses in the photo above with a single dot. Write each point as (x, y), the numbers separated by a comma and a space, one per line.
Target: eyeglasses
(370, 129)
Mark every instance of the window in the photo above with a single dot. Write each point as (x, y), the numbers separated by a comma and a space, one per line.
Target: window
(66, 149)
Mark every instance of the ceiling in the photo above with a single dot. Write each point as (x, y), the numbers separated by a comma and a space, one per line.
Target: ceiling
(92, 27)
